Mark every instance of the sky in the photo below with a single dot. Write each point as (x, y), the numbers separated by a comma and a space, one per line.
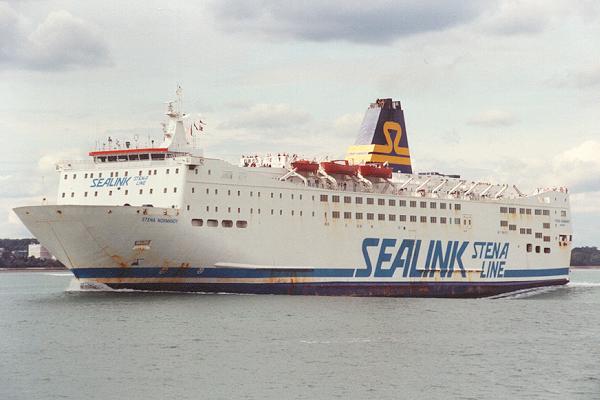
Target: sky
(503, 91)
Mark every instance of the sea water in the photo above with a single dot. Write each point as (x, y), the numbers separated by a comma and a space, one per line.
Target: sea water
(68, 344)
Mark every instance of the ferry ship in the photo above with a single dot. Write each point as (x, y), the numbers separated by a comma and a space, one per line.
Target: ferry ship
(167, 218)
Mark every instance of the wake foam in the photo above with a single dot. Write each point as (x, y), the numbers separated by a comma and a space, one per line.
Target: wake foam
(524, 293)
(583, 284)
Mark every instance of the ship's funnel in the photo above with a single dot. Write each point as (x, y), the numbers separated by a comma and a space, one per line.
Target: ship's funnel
(382, 137)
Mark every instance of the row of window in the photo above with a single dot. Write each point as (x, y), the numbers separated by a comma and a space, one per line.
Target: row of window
(258, 210)
(239, 193)
(392, 217)
(125, 173)
(226, 223)
(125, 192)
(537, 249)
(390, 202)
(513, 227)
(527, 211)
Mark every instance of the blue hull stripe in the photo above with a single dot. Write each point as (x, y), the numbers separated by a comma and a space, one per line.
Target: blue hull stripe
(153, 272)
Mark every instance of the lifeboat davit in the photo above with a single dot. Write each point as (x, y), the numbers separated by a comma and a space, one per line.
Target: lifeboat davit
(375, 171)
(341, 167)
(305, 166)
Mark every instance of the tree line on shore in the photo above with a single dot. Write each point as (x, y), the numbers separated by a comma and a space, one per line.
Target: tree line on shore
(14, 254)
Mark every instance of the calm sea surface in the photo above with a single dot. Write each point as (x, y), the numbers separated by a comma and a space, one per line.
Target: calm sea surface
(56, 344)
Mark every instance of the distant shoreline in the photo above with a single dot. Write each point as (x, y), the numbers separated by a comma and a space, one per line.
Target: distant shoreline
(33, 269)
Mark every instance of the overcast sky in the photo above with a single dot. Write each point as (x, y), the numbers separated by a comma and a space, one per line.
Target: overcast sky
(499, 90)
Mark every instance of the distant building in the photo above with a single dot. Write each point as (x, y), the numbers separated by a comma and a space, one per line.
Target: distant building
(39, 251)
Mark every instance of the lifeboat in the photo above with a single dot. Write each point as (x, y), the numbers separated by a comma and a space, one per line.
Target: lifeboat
(341, 167)
(375, 171)
(305, 166)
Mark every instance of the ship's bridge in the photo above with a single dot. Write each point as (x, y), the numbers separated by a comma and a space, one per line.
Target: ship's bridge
(135, 154)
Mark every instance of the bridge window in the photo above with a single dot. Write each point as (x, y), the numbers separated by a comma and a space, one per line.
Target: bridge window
(241, 224)
(197, 222)
(227, 223)
(212, 223)
(381, 202)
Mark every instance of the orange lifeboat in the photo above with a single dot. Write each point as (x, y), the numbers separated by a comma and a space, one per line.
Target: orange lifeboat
(375, 170)
(305, 166)
(341, 167)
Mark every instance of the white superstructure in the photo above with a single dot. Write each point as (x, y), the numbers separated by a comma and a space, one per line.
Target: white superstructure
(168, 218)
